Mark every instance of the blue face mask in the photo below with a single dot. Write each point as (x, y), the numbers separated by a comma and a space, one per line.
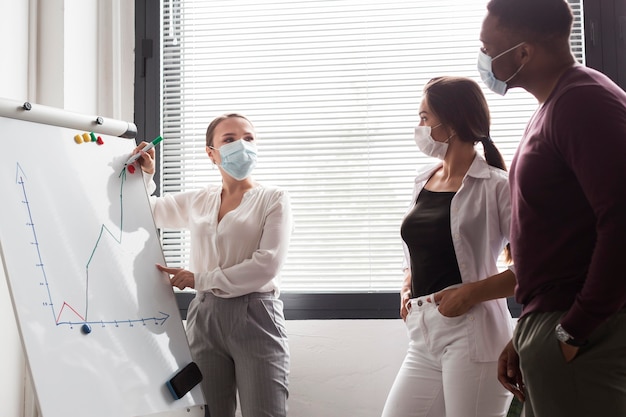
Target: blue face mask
(486, 71)
(238, 158)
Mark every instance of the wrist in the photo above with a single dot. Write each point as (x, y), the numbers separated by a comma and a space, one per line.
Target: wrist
(563, 336)
(471, 293)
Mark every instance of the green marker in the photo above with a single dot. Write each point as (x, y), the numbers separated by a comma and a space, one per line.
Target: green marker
(145, 149)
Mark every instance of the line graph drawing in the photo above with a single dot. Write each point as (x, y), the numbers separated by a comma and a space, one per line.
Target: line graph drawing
(82, 317)
(118, 336)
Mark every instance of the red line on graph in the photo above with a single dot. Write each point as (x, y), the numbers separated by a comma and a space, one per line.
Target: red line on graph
(71, 308)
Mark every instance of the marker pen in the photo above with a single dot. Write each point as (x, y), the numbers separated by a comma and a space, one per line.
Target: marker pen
(145, 149)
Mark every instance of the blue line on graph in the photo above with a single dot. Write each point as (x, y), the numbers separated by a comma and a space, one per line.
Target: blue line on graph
(20, 176)
(157, 320)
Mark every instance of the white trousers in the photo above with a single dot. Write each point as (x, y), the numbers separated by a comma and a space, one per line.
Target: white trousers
(437, 377)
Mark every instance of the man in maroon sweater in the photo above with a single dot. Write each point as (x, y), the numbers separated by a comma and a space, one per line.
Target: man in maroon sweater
(568, 227)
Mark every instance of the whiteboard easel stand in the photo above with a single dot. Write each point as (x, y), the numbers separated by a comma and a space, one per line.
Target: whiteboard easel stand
(41, 114)
(57, 117)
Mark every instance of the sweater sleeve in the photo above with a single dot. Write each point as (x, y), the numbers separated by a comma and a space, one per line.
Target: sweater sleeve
(592, 123)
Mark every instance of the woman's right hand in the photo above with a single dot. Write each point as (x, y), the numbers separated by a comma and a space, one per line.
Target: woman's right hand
(146, 160)
(405, 297)
(181, 278)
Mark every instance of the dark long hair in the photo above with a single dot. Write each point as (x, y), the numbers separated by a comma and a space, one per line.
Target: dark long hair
(460, 104)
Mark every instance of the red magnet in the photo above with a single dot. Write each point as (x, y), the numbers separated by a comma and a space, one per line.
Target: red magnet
(131, 169)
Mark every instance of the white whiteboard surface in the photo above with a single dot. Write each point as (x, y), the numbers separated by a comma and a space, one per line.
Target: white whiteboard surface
(79, 245)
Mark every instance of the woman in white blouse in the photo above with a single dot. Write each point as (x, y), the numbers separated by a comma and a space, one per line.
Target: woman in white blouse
(453, 297)
(240, 232)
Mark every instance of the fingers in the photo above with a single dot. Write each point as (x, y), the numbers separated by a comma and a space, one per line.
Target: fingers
(181, 278)
(146, 159)
(404, 305)
(439, 296)
(569, 352)
(503, 361)
(168, 270)
(139, 150)
(509, 374)
(404, 310)
(142, 145)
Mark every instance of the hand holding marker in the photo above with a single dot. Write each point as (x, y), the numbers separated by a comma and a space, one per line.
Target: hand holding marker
(146, 148)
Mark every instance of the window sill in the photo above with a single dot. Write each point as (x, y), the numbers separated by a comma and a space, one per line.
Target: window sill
(335, 306)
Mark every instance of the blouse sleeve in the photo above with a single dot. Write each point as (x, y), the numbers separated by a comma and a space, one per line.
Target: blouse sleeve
(169, 211)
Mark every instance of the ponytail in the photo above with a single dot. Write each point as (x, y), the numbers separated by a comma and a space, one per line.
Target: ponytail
(492, 154)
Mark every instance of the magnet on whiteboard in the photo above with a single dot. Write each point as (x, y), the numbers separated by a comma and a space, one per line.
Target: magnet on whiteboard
(85, 328)
(86, 137)
(93, 136)
(131, 169)
(99, 141)
(78, 139)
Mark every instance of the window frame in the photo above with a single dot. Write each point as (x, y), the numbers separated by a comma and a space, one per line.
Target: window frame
(601, 53)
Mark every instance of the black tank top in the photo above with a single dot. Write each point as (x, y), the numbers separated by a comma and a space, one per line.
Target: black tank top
(426, 232)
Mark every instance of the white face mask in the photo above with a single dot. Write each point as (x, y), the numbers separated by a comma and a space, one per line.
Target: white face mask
(486, 71)
(428, 145)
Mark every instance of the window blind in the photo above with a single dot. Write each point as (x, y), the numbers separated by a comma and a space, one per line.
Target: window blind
(333, 88)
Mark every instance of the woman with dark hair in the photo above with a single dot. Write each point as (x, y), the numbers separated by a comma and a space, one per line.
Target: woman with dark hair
(453, 296)
(240, 232)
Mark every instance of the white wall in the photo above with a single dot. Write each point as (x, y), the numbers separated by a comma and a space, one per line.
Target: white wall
(343, 368)
(80, 58)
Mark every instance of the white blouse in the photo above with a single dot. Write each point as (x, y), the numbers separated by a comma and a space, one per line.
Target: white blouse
(480, 217)
(242, 253)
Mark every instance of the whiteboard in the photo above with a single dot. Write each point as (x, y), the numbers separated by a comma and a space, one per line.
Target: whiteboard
(79, 245)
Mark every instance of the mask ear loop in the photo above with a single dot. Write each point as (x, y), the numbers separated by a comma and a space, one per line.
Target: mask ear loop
(212, 160)
(506, 52)
(514, 74)
(449, 137)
